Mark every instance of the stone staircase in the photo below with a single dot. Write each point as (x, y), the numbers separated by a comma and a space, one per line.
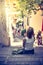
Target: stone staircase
(6, 57)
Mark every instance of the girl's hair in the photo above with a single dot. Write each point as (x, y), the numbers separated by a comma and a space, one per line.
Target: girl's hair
(30, 32)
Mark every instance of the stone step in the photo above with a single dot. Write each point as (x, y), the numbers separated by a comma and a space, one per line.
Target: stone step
(2, 60)
(24, 60)
(6, 57)
(20, 60)
(24, 63)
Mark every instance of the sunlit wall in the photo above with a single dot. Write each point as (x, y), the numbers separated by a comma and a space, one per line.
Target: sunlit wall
(10, 9)
(36, 21)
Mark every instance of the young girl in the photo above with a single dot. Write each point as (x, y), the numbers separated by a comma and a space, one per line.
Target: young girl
(28, 41)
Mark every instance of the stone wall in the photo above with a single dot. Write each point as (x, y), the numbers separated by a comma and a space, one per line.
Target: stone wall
(3, 32)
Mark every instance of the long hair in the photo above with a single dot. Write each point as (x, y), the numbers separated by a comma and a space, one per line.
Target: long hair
(30, 32)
